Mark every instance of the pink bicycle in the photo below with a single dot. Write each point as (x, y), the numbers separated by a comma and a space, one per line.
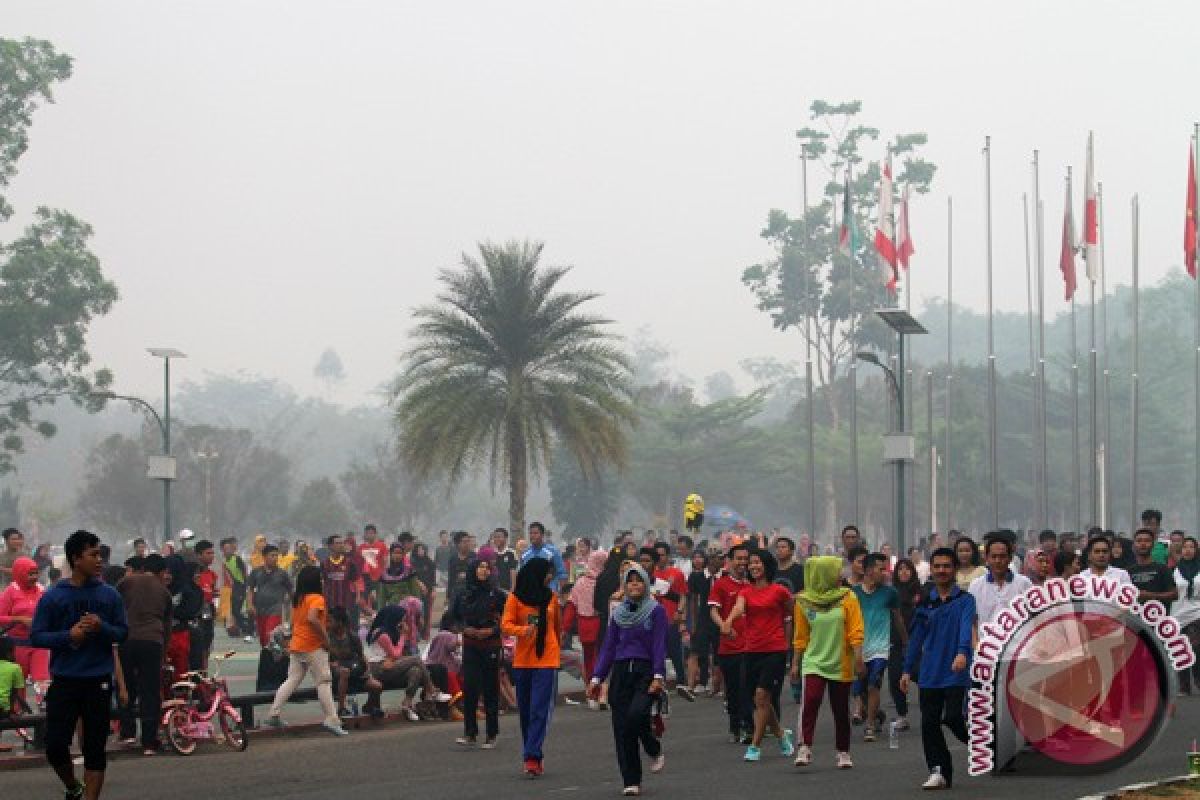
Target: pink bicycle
(201, 708)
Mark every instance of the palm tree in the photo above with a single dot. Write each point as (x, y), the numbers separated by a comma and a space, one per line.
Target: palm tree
(502, 368)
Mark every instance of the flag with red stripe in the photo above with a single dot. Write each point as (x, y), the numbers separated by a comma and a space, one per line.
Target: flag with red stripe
(1066, 258)
(1189, 224)
(904, 245)
(1090, 241)
(885, 235)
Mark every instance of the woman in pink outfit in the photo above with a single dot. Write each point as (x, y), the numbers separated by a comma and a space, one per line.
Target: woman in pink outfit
(18, 602)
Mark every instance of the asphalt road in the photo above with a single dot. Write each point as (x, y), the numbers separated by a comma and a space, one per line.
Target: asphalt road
(421, 760)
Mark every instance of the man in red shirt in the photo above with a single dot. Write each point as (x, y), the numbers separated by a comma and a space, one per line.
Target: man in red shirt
(206, 579)
(670, 589)
(373, 557)
(732, 649)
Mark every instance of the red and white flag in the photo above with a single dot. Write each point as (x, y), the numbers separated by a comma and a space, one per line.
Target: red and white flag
(904, 245)
(1090, 240)
(1066, 258)
(885, 236)
(1189, 224)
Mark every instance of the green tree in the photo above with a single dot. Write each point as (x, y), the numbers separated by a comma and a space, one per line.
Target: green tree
(319, 510)
(51, 285)
(116, 495)
(584, 504)
(808, 277)
(382, 490)
(504, 366)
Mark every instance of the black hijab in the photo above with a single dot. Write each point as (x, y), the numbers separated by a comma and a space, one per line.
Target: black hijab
(531, 589)
(475, 604)
(386, 621)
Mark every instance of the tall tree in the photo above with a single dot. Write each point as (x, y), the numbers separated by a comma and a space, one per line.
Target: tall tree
(51, 285)
(808, 276)
(504, 366)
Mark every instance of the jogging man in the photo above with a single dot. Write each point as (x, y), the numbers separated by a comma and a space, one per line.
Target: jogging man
(731, 651)
(78, 621)
(994, 589)
(880, 606)
(540, 548)
(940, 640)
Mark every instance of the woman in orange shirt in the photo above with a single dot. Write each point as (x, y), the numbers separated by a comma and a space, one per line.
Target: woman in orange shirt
(531, 615)
(309, 650)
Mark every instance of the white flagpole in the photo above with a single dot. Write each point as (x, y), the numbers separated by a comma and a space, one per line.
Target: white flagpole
(1038, 479)
(1133, 473)
(949, 355)
(808, 354)
(1077, 521)
(1043, 511)
(853, 380)
(1196, 269)
(1106, 472)
(991, 346)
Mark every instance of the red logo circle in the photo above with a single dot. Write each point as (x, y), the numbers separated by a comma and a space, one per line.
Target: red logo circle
(1084, 689)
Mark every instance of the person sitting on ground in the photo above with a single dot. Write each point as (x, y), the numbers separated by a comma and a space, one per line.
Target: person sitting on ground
(389, 665)
(444, 661)
(349, 666)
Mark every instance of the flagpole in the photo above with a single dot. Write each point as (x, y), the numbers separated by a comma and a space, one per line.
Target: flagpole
(1106, 473)
(1196, 277)
(808, 354)
(853, 380)
(1133, 474)
(1033, 398)
(931, 449)
(1093, 420)
(1075, 475)
(991, 345)
(949, 352)
(1044, 510)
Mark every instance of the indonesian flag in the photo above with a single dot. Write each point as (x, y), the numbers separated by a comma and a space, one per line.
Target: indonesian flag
(904, 245)
(885, 237)
(1066, 260)
(1090, 243)
(1189, 223)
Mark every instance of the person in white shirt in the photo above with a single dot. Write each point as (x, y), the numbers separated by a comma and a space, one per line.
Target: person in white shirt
(995, 589)
(1186, 610)
(1098, 553)
(922, 566)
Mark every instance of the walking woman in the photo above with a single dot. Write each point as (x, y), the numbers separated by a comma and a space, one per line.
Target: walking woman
(531, 615)
(828, 643)
(766, 605)
(1187, 609)
(476, 612)
(969, 564)
(309, 651)
(634, 654)
(908, 589)
(587, 616)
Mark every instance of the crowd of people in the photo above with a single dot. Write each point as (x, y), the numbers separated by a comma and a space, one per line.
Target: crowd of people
(738, 617)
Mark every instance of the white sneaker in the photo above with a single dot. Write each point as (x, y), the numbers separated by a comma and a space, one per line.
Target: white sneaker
(843, 760)
(408, 712)
(336, 730)
(248, 639)
(803, 756)
(631, 791)
(593, 705)
(936, 780)
(442, 697)
(657, 764)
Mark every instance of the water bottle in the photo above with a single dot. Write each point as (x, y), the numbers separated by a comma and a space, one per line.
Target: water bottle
(893, 736)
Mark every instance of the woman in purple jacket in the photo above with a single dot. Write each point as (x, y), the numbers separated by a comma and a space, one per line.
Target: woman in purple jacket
(634, 653)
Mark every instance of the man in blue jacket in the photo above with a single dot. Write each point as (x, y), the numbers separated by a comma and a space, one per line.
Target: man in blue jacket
(78, 621)
(940, 641)
(540, 548)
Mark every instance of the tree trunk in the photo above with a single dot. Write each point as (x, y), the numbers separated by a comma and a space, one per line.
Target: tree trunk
(518, 479)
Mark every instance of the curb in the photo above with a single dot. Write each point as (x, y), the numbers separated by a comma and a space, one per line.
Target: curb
(1140, 787)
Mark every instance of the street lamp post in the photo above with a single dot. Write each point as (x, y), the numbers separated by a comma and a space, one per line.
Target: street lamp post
(899, 447)
(166, 354)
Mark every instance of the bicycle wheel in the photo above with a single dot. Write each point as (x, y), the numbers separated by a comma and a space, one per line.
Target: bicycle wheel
(234, 730)
(180, 741)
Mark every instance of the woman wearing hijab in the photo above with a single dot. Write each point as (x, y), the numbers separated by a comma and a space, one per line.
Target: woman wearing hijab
(443, 658)
(531, 615)
(828, 643)
(426, 571)
(634, 654)
(18, 602)
(608, 581)
(388, 663)
(582, 605)
(1186, 609)
(476, 612)
(187, 602)
(908, 590)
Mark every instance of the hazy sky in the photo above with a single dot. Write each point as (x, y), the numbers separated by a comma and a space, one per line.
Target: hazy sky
(268, 179)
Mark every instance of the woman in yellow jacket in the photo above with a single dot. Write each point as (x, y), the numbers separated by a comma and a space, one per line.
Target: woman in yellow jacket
(828, 643)
(531, 614)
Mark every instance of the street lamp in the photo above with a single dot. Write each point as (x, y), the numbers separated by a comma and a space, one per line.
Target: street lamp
(899, 447)
(166, 354)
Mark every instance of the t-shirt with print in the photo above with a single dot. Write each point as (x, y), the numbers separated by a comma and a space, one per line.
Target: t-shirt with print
(340, 580)
(506, 562)
(305, 637)
(877, 609)
(374, 557)
(669, 581)
(1152, 577)
(723, 596)
(767, 609)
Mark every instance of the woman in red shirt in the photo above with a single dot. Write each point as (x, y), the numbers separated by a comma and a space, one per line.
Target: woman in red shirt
(766, 606)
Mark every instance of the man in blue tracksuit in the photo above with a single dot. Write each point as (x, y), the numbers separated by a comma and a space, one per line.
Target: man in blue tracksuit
(940, 641)
(540, 548)
(78, 621)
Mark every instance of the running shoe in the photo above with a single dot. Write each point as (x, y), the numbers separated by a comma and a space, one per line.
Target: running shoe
(248, 639)
(442, 697)
(465, 741)
(336, 730)
(868, 734)
(901, 723)
(631, 791)
(412, 715)
(843, 760)
(803, 756)
(787, 744)
(488, 743)
(658, 762)
(752, 754)
(936, 780)
(685, 693)
(593, 705)
(531, 767)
